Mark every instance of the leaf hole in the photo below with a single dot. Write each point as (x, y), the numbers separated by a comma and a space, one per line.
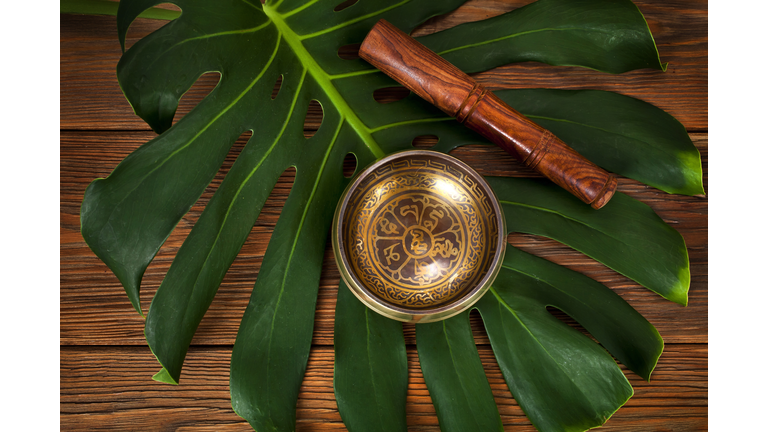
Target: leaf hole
(343, 5)
(439, 22)
(199, 90)
(349, 52)
(229, 160)
(168, 6)
(478, 328)
(274, 204)
(278, 85)
(168, 250)
(349, 166)
(425, 141)
(232, 297)
(140, 28)
(389, 95)
(313, 119)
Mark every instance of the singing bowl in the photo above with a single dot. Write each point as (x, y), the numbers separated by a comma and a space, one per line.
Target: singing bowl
(419, 236)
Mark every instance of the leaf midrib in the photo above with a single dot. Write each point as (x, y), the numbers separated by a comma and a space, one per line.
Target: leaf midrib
(466, 393)
(565, 216)
(650, 143)
(577, 299)
(324, 81)
(523, 33)
(504, 304)
(289, 260)
(371, 371)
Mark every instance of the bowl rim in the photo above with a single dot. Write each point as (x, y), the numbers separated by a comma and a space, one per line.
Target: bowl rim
(422, 315)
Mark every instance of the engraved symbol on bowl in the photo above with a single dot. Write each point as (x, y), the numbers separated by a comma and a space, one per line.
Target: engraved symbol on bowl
(417, 240)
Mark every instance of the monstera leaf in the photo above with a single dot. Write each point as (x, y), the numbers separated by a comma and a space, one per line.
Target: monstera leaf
(561, 378)
(127, 216)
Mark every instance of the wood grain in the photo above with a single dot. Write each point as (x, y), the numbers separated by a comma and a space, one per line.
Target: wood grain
(110, 389)
(95, 310)
(91, 98)
(106, 365)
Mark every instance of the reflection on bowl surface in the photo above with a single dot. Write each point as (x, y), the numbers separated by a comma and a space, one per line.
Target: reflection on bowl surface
(419, 231)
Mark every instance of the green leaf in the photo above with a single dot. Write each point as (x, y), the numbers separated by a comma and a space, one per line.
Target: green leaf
(370, 370)
(611, 320)
(625, 235)
(576, 33)
(619, 133)
(272, 345)
(455, 376)
(127, 216)
(562, 380)
(107, 7)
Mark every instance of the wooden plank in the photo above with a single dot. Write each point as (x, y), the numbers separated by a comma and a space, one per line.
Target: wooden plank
(91, 98)
(110, 389)
(106, 366)
(95, 310)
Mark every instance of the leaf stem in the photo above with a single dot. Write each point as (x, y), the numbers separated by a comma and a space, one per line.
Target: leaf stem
(353, 74)
(324, 81)
(427, 120)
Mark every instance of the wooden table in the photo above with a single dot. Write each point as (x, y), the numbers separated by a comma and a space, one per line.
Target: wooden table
(106, 366)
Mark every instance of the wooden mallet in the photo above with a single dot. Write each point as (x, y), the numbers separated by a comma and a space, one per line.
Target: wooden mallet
(439, 82)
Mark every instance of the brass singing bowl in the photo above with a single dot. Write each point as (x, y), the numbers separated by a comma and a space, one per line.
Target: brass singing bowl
(419, 236)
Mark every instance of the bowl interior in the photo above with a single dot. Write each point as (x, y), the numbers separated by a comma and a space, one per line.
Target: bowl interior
(419, 231)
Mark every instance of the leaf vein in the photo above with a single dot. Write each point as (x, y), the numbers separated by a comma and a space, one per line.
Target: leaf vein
(577, 299)
(521, 34)
(242, 185)
(298, 9)
(458, 373)
(564, 216)
(224, 33)
(370, 367)
(289, 259)
(202, 130)
(353, 21)
(538, 342)
(322, 79)
(406, 122)
(651, 143)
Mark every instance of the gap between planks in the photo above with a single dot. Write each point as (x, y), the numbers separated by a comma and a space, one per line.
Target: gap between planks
(109, 387)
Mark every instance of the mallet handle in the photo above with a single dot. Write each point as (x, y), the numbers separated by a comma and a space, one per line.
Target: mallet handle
(439, 82)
